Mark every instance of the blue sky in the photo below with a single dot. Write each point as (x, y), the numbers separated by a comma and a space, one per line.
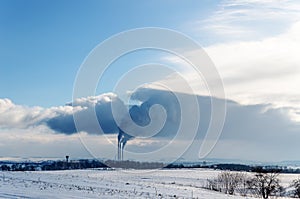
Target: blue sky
(43, 43)
(253, 44)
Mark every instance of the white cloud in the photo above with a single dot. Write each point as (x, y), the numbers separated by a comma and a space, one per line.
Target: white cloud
(250, 19)
(265, 71)
(12, 115)
(23, 117)
(18, 116)
(40, 141)
(93, 100)
(252, 124)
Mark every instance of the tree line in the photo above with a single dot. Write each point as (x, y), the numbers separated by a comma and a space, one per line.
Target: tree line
(77, 164)
(262, 183)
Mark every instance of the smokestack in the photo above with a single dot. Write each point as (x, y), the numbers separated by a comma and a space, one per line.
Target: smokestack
(119, 145)
(121, 148)
(118, 157)
(122, 140)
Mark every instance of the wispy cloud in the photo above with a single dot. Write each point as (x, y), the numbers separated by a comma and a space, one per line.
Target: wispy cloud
(264, 71)
(254, 72)
(250, 19)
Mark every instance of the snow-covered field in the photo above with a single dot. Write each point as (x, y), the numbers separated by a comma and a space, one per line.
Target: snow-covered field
(179, 183)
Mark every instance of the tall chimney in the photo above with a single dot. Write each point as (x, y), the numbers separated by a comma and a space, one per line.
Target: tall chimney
(118, 149)
(122, 144)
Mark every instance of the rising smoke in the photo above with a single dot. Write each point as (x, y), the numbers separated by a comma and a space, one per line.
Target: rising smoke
(244, 123)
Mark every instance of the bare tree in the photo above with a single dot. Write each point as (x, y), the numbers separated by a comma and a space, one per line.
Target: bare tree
(265, 183)
(227, 182)
(242, 188)
(296, 185)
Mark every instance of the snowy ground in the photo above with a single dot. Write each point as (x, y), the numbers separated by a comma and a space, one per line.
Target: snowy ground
(180, 183)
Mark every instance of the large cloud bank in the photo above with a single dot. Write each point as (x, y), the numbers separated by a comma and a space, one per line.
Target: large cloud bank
(258, 124)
